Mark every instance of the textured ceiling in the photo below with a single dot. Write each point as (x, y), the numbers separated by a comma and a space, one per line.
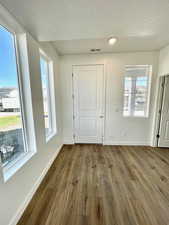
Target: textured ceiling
(139, 25)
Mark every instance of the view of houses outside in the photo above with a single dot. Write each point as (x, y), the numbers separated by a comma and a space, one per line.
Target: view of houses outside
(9, 109)
(11, 133)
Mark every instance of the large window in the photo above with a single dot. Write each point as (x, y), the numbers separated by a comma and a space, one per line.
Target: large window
(137, 90)
(12, 138)
(48, 98)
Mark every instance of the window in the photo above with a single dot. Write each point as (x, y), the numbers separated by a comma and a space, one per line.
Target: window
(137, 90)
(12, 132)
(48, 95)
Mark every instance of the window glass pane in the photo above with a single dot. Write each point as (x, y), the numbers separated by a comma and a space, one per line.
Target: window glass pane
(11, 127)
(141, 96)
(46, 94)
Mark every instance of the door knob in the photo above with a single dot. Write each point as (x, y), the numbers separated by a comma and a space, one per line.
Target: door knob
(101, 116)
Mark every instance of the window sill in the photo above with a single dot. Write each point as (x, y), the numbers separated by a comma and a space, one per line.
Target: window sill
(10, 169)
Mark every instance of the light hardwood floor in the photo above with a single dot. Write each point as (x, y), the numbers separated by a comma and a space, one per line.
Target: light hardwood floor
(103, 185)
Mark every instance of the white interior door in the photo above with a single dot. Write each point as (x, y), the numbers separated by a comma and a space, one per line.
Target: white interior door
(164, 124)
(88, 83)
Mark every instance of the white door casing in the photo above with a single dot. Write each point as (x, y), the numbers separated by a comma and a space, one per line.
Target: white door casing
(88, 88)
(164, 123)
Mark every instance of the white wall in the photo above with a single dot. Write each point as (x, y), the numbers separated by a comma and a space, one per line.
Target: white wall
(164, 61)
(118, 130)
(17, 190)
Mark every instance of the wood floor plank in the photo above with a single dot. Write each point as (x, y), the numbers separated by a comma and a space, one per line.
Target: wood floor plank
(103, 185)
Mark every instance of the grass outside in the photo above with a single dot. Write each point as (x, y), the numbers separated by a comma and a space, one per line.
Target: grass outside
(9, 121)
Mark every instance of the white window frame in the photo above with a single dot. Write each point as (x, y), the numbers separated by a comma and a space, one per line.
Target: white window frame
(23, 76)
(132, 105)
(51, 96)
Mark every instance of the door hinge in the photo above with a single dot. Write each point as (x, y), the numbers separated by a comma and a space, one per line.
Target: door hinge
(158, 136)
(72, 74)
(74, 135)
(73, 96)
(73, 116)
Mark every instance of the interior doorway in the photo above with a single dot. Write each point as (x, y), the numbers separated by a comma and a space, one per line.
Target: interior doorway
(163, 125)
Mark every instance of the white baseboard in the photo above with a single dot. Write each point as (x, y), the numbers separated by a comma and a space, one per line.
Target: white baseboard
(28, 198)
(68, 141)
(127, 143)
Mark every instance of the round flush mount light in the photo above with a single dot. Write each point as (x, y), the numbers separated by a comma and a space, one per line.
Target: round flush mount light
(112, 40)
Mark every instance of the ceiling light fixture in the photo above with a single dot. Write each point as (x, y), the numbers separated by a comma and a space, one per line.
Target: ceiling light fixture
(112, 40)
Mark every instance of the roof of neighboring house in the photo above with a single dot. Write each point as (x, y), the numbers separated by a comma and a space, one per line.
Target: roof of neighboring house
(5, 92)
